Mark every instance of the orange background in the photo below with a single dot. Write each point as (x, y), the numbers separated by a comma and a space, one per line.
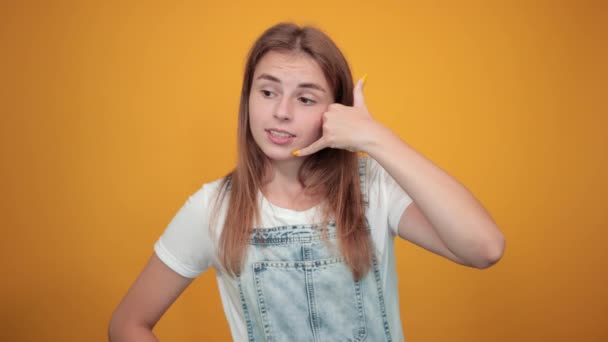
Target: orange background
(114, 112)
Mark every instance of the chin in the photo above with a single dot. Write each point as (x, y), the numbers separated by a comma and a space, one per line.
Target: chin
(274, 152)
(278, 155)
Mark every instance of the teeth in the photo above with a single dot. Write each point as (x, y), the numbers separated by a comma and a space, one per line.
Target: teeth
(280, 134)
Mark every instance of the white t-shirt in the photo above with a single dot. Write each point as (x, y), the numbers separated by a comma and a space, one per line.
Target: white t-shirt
(187, 248)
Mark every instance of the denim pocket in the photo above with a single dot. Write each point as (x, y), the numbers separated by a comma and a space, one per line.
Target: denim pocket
(315, 297)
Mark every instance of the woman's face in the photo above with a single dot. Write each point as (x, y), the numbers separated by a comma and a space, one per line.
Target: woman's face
(288, 97)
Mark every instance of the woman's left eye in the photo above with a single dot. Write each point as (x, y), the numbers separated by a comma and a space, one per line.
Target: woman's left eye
(307, 101)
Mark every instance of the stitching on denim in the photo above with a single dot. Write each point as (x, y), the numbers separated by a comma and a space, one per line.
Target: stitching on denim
(381, 299)
(310, 293)
(262, 303)
(245, 312)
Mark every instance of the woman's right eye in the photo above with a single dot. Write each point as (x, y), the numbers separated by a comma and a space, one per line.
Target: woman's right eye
(266, 93)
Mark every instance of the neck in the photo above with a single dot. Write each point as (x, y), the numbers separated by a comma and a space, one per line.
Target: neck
(282, 187)
(282, 176)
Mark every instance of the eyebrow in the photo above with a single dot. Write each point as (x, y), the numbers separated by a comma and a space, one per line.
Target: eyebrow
(301, 85)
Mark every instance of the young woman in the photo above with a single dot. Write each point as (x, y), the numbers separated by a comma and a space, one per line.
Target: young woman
(301, 232)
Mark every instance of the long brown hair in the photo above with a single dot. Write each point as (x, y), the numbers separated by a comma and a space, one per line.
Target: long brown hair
(332, 174)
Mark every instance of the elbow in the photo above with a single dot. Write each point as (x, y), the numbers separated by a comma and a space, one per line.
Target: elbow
(117, 328)
(122, 329)
(491, 251)
(113, 331)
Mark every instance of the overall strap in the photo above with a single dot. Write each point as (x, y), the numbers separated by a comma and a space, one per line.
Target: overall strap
(362, 160)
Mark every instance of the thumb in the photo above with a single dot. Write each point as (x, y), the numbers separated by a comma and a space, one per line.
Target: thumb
(359, 99)
(312, 148)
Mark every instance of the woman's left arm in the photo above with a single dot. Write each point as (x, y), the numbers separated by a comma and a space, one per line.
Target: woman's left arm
(461, 223)
(445, 217)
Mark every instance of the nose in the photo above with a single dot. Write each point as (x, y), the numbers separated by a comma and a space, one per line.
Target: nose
(283, 109)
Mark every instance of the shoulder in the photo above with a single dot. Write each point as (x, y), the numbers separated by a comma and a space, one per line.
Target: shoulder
(211, 188)
(370, 169)
(378, 183)
(207, 193)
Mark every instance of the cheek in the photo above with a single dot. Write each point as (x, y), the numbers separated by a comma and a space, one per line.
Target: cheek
(253, 112)
(319, 122)
(257, 107)
(315, 124)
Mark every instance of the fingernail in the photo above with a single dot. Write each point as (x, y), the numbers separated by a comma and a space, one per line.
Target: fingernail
(364, 78)
(296, 152)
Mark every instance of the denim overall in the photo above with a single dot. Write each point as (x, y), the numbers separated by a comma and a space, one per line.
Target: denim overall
(294, 287)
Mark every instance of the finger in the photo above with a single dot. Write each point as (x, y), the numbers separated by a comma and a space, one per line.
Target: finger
(312, 148)
(359, 99)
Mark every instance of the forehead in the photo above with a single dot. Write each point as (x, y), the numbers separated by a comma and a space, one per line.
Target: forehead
(291, 67)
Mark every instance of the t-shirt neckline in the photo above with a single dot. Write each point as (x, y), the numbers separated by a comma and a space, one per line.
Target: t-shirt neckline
(285, 212)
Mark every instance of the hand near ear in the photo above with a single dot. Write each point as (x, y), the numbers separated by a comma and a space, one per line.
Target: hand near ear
(345, 127)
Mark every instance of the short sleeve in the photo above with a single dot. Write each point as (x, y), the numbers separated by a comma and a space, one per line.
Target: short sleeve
(387, 193)
(185, 245)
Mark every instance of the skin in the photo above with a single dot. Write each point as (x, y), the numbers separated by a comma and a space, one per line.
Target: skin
(283, 104)
(445, 218)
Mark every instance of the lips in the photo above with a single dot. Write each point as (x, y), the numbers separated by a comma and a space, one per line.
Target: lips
(280, 137)
(280, 131)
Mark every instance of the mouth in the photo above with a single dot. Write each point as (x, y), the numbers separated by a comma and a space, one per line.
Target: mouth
(280, 133)
(280, 137)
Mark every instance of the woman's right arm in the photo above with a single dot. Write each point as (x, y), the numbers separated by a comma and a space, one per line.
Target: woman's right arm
(152, 293)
